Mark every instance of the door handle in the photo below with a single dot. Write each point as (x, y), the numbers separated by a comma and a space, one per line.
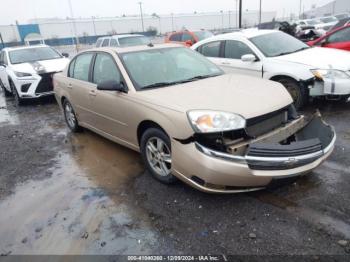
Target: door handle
(69, 86)
(92, 93)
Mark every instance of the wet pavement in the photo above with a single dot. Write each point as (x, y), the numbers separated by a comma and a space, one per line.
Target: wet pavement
(64, 193)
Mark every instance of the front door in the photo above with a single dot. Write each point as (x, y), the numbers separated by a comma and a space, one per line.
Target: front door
(232, 62)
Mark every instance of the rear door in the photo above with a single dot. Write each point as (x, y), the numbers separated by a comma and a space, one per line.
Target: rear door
(339, 39)
(231, 61)
(80, 89)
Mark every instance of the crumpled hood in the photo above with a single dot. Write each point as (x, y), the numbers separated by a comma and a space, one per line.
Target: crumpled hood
(321, 58)
(244, 95)
(54, 65)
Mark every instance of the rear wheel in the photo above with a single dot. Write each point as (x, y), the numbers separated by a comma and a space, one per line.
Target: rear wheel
(156, 154)
(298, 92)
(18, 99)
(70, 117)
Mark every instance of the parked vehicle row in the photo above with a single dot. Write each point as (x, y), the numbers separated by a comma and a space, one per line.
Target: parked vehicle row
(216, 132)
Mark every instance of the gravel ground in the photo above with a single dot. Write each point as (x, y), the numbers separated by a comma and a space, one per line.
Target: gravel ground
(63, 193)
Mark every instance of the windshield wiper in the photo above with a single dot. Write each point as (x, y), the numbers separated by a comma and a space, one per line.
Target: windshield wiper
(291, 52)
(162, 84)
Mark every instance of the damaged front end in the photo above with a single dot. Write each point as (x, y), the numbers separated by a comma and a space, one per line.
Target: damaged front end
(280, 140)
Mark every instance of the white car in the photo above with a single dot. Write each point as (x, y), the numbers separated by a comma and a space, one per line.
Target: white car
(304, 71)
(327, 23)
(122, 40)
(26, 72)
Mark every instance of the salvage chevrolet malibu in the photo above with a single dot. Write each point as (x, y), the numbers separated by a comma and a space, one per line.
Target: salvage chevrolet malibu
(26, 72)
(217, 132)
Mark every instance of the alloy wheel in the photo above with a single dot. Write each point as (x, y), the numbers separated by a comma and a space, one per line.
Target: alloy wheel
(158, 156)
(70, 116)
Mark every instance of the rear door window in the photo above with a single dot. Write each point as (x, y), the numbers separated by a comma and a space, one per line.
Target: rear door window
(82, 66)
(211, 49)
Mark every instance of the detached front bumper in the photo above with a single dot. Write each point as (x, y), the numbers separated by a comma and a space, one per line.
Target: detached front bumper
(264, 159)
(330, 87)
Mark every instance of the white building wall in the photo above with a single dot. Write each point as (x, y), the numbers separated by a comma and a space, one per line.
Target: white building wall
(88, 27)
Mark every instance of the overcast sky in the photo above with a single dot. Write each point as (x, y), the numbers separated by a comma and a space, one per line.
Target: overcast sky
(22, 10)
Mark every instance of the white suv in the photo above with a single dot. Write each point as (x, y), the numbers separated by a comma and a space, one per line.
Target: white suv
(122, 40)
(26, 72)
(304, 71)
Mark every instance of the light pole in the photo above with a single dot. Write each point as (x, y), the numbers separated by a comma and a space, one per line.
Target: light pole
(172, 22)
(300, 9)
(143, 28)
(229, 19)
(74, 26)
(240, 15)
(93, 23)
(260, 13)
(222, 19)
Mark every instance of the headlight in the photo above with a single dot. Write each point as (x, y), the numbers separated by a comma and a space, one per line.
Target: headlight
(329, 74)
(20, 74)
(204, 121)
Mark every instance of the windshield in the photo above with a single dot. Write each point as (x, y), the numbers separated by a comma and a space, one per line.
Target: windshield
(277, 43)
(133, 40)
(167, 66)
(33, 54)
(203, 34)
(328, 19)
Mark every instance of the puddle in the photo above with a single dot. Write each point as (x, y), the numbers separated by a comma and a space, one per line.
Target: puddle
(82, 208)
(5, 117)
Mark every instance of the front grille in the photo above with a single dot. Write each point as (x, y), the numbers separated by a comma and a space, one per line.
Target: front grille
(263, 124)
(45, 84)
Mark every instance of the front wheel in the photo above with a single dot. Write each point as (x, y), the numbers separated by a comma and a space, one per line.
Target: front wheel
(18, 99)
(156, 154)
(298, 92)
(6, 93)
(70, 117)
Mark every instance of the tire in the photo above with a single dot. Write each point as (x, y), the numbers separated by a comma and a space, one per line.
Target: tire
(6, 93)
(344, 99)
(18, 100)
(156, 154)
(70, 117)
(298, 92)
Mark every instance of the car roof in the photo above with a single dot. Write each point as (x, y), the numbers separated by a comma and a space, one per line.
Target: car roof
(120, 36)
(135, 48)
(23, 47)
(246, 33)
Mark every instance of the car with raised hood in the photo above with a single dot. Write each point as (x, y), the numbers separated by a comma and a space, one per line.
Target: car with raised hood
(338, 38)
(304, 71)
(217, 132)
(26, 72)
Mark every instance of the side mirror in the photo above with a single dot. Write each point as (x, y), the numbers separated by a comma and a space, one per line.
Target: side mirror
(189, 42)
(65, 55)
(112, 85)
(248, 58)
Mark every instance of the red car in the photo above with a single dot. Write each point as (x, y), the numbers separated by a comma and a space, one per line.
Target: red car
(338, 38)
